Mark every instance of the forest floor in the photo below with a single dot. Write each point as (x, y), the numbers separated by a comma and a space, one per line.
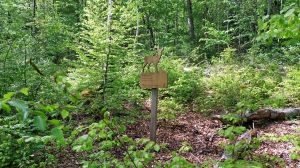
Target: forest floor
(200, 132)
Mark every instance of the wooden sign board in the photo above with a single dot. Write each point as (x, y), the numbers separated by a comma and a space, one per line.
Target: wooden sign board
(154, 80)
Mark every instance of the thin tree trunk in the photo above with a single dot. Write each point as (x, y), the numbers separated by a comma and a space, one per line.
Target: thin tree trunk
(151, 33)
(269, 7)
(176, 28)
(239, 32)
(218, 46)
(106, 62)
(33, 16)
(227, 25)
(190, 19)
(137, 31)
(5, 58)
(25, 64)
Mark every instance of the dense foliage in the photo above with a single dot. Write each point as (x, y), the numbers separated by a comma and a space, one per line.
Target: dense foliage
(63, 59)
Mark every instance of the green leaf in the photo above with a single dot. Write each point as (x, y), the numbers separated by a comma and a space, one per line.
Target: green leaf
(240, 104)
(265, 17)
(57, 133)
(54, 122)
(5, 107)
(121, 128)
(103, 110)
(156, 147)
(51, 108)
(106, 144)
(239, 130)
(29, 139)
(60, 73)
(143, 141)
(82, 138)
(71, 107)
(228, 131)
(40, 122)
(289, 12)
(40, 113)
(8, 96)
(21, 106)
(64, 113)
(42, 107)
(24, 91)
(149, 145)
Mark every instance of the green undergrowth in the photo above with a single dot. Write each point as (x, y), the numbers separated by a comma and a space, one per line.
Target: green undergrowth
(228, 83)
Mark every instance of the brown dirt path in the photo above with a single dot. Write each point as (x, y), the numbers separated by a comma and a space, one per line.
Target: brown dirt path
(201, 133)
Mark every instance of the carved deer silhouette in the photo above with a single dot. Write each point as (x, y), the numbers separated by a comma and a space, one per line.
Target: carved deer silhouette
(152, 59)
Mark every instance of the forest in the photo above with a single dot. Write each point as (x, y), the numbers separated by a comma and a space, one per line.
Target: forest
(70, 91)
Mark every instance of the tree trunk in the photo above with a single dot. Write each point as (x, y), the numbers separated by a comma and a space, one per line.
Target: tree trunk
(273, 114)
(176, 28)
(137, 31)
(33, 31)
(151, 33)
(108, 50)
(190, 19)
(269, 7)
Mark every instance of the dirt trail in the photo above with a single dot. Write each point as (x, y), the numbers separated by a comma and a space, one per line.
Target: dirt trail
(201, 133)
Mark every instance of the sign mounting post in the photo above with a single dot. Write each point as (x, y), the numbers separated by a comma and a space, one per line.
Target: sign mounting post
(153, 80)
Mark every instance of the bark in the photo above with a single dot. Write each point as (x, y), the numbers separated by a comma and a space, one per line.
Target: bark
(269, 7)
(190, 19)
(176, 28)
(137, 31)
(106, 62)
(273, 114)
(151, 33)
(33, 31)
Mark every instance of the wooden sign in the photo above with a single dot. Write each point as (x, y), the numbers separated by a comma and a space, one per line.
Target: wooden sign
(154, 80)
(157, 79)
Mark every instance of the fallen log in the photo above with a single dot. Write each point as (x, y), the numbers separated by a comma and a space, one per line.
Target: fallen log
(273, 114)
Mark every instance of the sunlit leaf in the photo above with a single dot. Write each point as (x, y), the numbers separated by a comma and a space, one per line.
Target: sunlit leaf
(24, 91)
(265, 17)
(289, 12)
(82, 138)
(5, 107)
(50, 108)
(8, 96)
(54, 122)
(29, 139)
(64, 114)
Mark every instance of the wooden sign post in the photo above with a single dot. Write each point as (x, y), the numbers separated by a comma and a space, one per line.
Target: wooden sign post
(154, 80)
